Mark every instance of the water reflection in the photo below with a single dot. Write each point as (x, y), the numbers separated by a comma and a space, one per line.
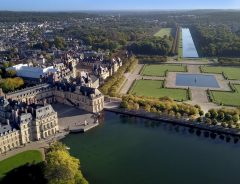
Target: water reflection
(173, 128)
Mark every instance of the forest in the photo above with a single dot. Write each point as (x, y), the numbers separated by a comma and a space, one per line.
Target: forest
(216, 41)
(153, 46)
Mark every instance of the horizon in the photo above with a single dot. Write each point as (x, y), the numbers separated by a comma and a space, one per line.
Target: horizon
(117, 10)
(124, 5)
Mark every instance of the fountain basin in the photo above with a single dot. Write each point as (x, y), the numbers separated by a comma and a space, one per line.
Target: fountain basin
(197, 80)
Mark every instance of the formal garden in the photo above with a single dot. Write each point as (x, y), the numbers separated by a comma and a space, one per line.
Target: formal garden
(231, 73)
(156, 88)
(162, 69)
(226, 98)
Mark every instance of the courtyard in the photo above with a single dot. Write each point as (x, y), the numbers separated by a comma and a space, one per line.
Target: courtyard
(69, 116)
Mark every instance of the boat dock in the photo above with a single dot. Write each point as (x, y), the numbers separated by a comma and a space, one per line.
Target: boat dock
(83, 127)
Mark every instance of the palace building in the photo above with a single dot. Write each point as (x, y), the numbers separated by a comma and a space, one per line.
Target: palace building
(22, 123)
(27, 115)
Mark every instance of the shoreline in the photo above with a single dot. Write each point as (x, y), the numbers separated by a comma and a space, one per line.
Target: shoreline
(186, 123)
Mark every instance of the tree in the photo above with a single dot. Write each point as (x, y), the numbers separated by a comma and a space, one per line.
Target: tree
(61, 168)
(228, 117)
(208, 121)
(235, 118)
(11, 84)
(207, 115)
(45, 45)
(11, 73)
(213, 113)
(147, 108)
(124, 105)
(201, 112)
(214, 122)
(59, 42)
(221, 116)
(199, 119)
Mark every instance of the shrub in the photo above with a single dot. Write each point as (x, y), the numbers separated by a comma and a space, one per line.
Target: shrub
(199, 119)
(208, 121)
(214, 122)
(207, 115)
(235, 118)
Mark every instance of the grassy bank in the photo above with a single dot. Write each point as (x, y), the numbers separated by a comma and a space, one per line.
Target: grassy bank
(18, 160)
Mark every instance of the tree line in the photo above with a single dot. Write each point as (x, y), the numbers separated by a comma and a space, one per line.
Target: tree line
(113, 83)
(153, 46)
(161, 106)
(227, 118)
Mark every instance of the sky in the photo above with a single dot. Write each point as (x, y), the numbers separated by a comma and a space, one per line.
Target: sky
(75, 5)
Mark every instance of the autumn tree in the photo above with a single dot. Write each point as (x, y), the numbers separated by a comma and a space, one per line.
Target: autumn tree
(61, 167)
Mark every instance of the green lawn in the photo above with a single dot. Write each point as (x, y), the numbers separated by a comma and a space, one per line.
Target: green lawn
(153, 88)
(180, 46)
(227, 98)
(160, 70)
(232, 73)
(163, 32)
(19, 160)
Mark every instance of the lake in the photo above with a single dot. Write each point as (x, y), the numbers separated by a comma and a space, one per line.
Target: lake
(189, 49)
(132, 150)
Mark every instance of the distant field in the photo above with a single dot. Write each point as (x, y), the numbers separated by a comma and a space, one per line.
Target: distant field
(227, 98)
(153, 88)
(163, 32)
(19, 160)
(160, 70)
(232, 73)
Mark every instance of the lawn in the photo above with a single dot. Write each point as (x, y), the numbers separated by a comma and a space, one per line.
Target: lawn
(153, 88)
(160, 70)
(180, 45)
(19, 160)
(232, 73)
(227, 98)
(163, 32)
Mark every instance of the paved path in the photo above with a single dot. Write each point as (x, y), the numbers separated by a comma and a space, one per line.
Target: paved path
(38, 145)
(112, 105)
(193, 69)
(130, 79)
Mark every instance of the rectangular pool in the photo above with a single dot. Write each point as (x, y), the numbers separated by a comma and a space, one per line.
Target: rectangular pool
(197, 80)
(189, 49)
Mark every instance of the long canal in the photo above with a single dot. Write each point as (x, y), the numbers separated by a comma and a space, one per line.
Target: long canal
(189, 49)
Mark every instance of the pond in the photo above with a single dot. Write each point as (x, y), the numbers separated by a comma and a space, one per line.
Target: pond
(197, 80)
(131, 150)
(189, 49)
